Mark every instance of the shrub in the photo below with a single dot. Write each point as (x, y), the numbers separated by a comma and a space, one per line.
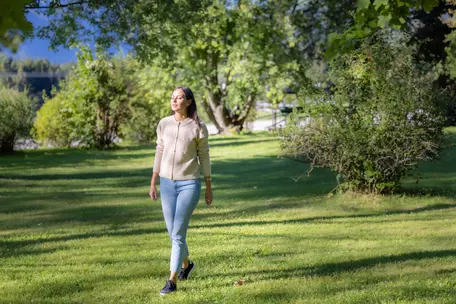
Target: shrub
(105, 99)
(16, 116)
(51, 126)
(150, 94)
(90, 106)
(379, 121)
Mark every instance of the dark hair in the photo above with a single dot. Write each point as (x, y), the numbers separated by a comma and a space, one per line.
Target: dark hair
(191, 109)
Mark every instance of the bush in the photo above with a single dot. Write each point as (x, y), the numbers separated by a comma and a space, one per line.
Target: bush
(105, 99)
(149, 102)
(90, 106)
(16, 116)
(51, 126)
(379, 122)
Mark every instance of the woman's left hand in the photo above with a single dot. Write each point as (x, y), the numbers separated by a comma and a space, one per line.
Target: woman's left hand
(208, 196)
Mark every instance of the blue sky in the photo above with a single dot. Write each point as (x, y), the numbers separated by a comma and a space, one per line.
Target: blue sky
(39, 48)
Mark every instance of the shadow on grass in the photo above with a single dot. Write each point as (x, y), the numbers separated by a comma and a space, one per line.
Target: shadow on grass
(48, 158)
(63, 287)
(333, 268)
(257, 185)
(336, 268)
(444, 189)
(120, 216)
(143, 173)
(19, 247)
(258, 179)
(113, 215)
(13, 250)
(51, 202)
(327, 218)
(33, 159)
(264, 182)
(263, 178)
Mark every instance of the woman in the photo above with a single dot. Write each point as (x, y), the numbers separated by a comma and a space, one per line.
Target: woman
(182, 140)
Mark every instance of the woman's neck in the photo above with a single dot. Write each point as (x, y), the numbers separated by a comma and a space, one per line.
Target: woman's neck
(179, 117)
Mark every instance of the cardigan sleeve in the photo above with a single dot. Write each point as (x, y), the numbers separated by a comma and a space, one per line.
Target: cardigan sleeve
(159, 149)
(203, 150)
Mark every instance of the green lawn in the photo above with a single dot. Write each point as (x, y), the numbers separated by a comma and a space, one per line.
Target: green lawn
(78, 227)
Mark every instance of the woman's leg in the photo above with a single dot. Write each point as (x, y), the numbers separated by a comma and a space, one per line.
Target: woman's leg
(187, 199)
(185, 261)
(168, 195)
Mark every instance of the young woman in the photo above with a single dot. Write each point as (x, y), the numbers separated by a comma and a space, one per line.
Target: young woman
(182, 140)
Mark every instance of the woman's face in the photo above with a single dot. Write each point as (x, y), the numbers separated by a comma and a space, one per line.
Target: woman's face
(179, 103)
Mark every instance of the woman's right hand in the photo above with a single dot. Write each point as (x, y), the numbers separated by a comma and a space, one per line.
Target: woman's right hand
(153, 192)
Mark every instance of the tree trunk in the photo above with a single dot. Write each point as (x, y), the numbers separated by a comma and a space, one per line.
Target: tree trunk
(7, 143)
(224, 119)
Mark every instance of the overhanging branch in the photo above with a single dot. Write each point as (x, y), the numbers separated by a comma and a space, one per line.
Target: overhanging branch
(36, 5)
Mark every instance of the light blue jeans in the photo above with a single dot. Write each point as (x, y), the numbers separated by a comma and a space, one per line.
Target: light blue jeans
(179, 198)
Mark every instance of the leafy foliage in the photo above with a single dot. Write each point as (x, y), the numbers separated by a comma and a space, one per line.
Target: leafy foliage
(227, 51)
(150, 89)
(103, 100)
(51, 126)
(16, 116)
(379, 122)
(94, 103)
(451, 47)
(373, 14)
(13, 24)
(231, 52)
(228, 54)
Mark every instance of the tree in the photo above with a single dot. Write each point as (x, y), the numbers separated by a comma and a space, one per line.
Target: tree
(13, 23)
(105, 99)
(371, 15)
(16, 117)
(430, 25)
(94, 104)
(225, 53)
(229, 51)
(51, 126)
(149, 90)
(379, 121)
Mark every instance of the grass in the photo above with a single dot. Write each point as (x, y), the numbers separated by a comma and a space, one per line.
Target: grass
(265, 115)
(77, 226)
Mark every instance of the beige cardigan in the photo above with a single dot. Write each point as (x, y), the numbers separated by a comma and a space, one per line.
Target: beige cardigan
(179, 146)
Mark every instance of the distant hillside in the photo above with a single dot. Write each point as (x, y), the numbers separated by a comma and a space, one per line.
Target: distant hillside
(34, 74)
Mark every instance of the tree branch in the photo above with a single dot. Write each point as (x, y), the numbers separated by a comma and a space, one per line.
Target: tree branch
(246, 110)
(36, 5)
(294, 7)
(227, 77)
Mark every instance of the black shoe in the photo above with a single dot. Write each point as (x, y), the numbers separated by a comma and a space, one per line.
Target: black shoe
(185, 273)
(170, 287)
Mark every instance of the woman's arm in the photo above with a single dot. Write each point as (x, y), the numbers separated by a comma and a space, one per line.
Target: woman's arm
(205, 162)
(157, 162)
(153, 193)
(208, 195)
(158, 150)
(203, 151)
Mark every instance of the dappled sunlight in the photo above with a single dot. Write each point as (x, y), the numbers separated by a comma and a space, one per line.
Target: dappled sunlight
(94, 219)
